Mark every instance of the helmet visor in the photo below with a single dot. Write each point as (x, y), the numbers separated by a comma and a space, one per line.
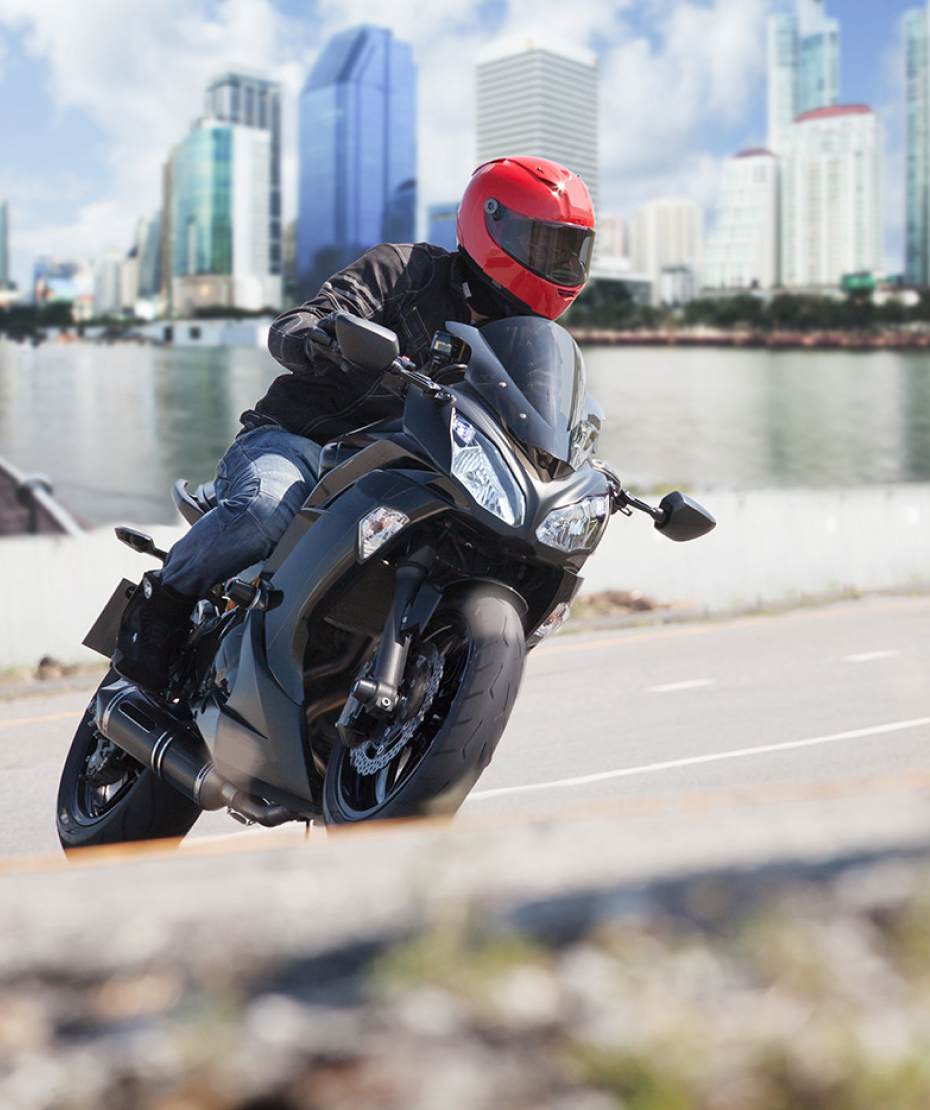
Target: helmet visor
(560, 253)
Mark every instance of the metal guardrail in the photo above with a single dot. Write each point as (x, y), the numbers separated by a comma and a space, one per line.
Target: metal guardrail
(27, 505)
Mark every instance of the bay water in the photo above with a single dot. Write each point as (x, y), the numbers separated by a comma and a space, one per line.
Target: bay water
(113, 426)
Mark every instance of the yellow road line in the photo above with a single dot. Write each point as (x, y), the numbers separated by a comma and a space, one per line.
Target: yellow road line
(705, 801)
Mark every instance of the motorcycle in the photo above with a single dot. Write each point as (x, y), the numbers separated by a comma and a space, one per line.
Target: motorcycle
(368, 668)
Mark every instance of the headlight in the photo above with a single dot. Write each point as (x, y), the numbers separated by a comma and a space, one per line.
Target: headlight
(577, 527)
(479, 466)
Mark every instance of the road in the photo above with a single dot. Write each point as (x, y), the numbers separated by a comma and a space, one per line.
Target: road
(818, 707)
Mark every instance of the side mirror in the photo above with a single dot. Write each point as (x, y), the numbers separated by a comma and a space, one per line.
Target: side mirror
(684, 518)
(365, 344)
(139, 542)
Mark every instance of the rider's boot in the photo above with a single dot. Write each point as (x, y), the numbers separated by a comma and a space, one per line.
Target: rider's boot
(154, 626)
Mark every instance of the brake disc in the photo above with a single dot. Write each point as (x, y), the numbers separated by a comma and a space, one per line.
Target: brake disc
(375, 754)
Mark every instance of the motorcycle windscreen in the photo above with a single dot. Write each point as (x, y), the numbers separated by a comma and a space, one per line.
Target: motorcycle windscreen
(531, 373)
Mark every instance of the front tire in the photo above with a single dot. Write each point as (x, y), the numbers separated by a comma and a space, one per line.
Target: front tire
(107, 797)
(460, 686)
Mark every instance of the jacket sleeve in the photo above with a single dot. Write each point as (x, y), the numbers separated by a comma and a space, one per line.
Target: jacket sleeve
(363, 288)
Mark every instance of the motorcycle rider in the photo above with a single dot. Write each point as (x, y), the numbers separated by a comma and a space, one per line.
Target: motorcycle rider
(525, 231)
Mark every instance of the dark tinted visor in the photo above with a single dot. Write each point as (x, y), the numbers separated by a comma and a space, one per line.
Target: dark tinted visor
(560, 253)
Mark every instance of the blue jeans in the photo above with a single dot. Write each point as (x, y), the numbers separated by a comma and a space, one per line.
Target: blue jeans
(261, 482)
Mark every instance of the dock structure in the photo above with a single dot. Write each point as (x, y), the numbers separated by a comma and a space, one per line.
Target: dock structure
(28, 507)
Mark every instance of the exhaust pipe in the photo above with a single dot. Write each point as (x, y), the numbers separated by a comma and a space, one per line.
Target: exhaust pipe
(150, 734)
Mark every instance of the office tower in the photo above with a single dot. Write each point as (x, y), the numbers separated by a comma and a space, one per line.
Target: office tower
(109, 284)
(4, 245)
(803, 66)
(831, 196)
(440, 220)
(667, 234)
(742, 250)
(252, 101)
(917, 140)
(148, 248)
(357, 153)
(613, 236)
(220, 240)
(541, 99)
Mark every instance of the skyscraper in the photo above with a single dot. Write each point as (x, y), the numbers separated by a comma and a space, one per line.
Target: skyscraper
(252, 101)
(440, 219)
(917, 139)
(218, 226)
(831, 196)
(541, 99)
(803, 66)
(357, 153)
(4, 245)
(667, 235)
(742, 250)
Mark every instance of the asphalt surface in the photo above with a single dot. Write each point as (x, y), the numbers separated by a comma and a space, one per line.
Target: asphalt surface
(809, 729)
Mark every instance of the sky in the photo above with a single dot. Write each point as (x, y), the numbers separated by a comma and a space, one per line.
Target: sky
(94, 94)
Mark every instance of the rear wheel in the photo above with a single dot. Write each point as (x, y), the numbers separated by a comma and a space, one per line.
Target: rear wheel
(107, 797)
(460, 685)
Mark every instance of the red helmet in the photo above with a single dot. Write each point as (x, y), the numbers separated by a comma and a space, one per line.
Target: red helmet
(528, 225)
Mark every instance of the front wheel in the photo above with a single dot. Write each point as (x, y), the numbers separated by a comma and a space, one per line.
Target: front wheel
(459, 688)
(107, 797)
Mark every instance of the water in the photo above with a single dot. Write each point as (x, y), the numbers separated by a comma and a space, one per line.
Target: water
(114, 426)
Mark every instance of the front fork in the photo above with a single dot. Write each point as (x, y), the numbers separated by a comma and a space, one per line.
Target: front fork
(377, 694)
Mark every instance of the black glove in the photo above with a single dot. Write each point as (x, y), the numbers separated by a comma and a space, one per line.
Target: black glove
(321, 340)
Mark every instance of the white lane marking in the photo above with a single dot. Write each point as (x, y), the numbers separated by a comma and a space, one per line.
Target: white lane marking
(870, 656)
(671, 687)
(714, 757)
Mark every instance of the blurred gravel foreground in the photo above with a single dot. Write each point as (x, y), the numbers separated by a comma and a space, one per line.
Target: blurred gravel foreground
(438, 968)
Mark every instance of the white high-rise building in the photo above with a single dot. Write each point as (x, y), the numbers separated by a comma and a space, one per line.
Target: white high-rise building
(542, 99)
(742, 250)
(668, 234)
(831, 210)
(803, 66)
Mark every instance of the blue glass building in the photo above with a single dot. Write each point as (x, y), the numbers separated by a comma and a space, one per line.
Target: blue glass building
(4, 245)
(440, 220)
(917, 121)
(803, 65)
(252, 101)
(357, 161)
(201, 217)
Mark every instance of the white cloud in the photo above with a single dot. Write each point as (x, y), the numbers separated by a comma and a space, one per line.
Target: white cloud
(662, 102)
(139, 70)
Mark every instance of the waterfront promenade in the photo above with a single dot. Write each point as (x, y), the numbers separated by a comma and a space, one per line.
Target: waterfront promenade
(852, 340)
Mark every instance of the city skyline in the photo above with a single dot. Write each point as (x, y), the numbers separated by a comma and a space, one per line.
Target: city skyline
(708, 57)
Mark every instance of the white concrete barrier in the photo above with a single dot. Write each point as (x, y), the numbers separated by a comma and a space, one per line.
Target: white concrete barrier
(775, 547)
(770, 548)
(54, 587)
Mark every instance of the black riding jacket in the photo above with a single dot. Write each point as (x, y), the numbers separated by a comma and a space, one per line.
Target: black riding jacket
(413, 289)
